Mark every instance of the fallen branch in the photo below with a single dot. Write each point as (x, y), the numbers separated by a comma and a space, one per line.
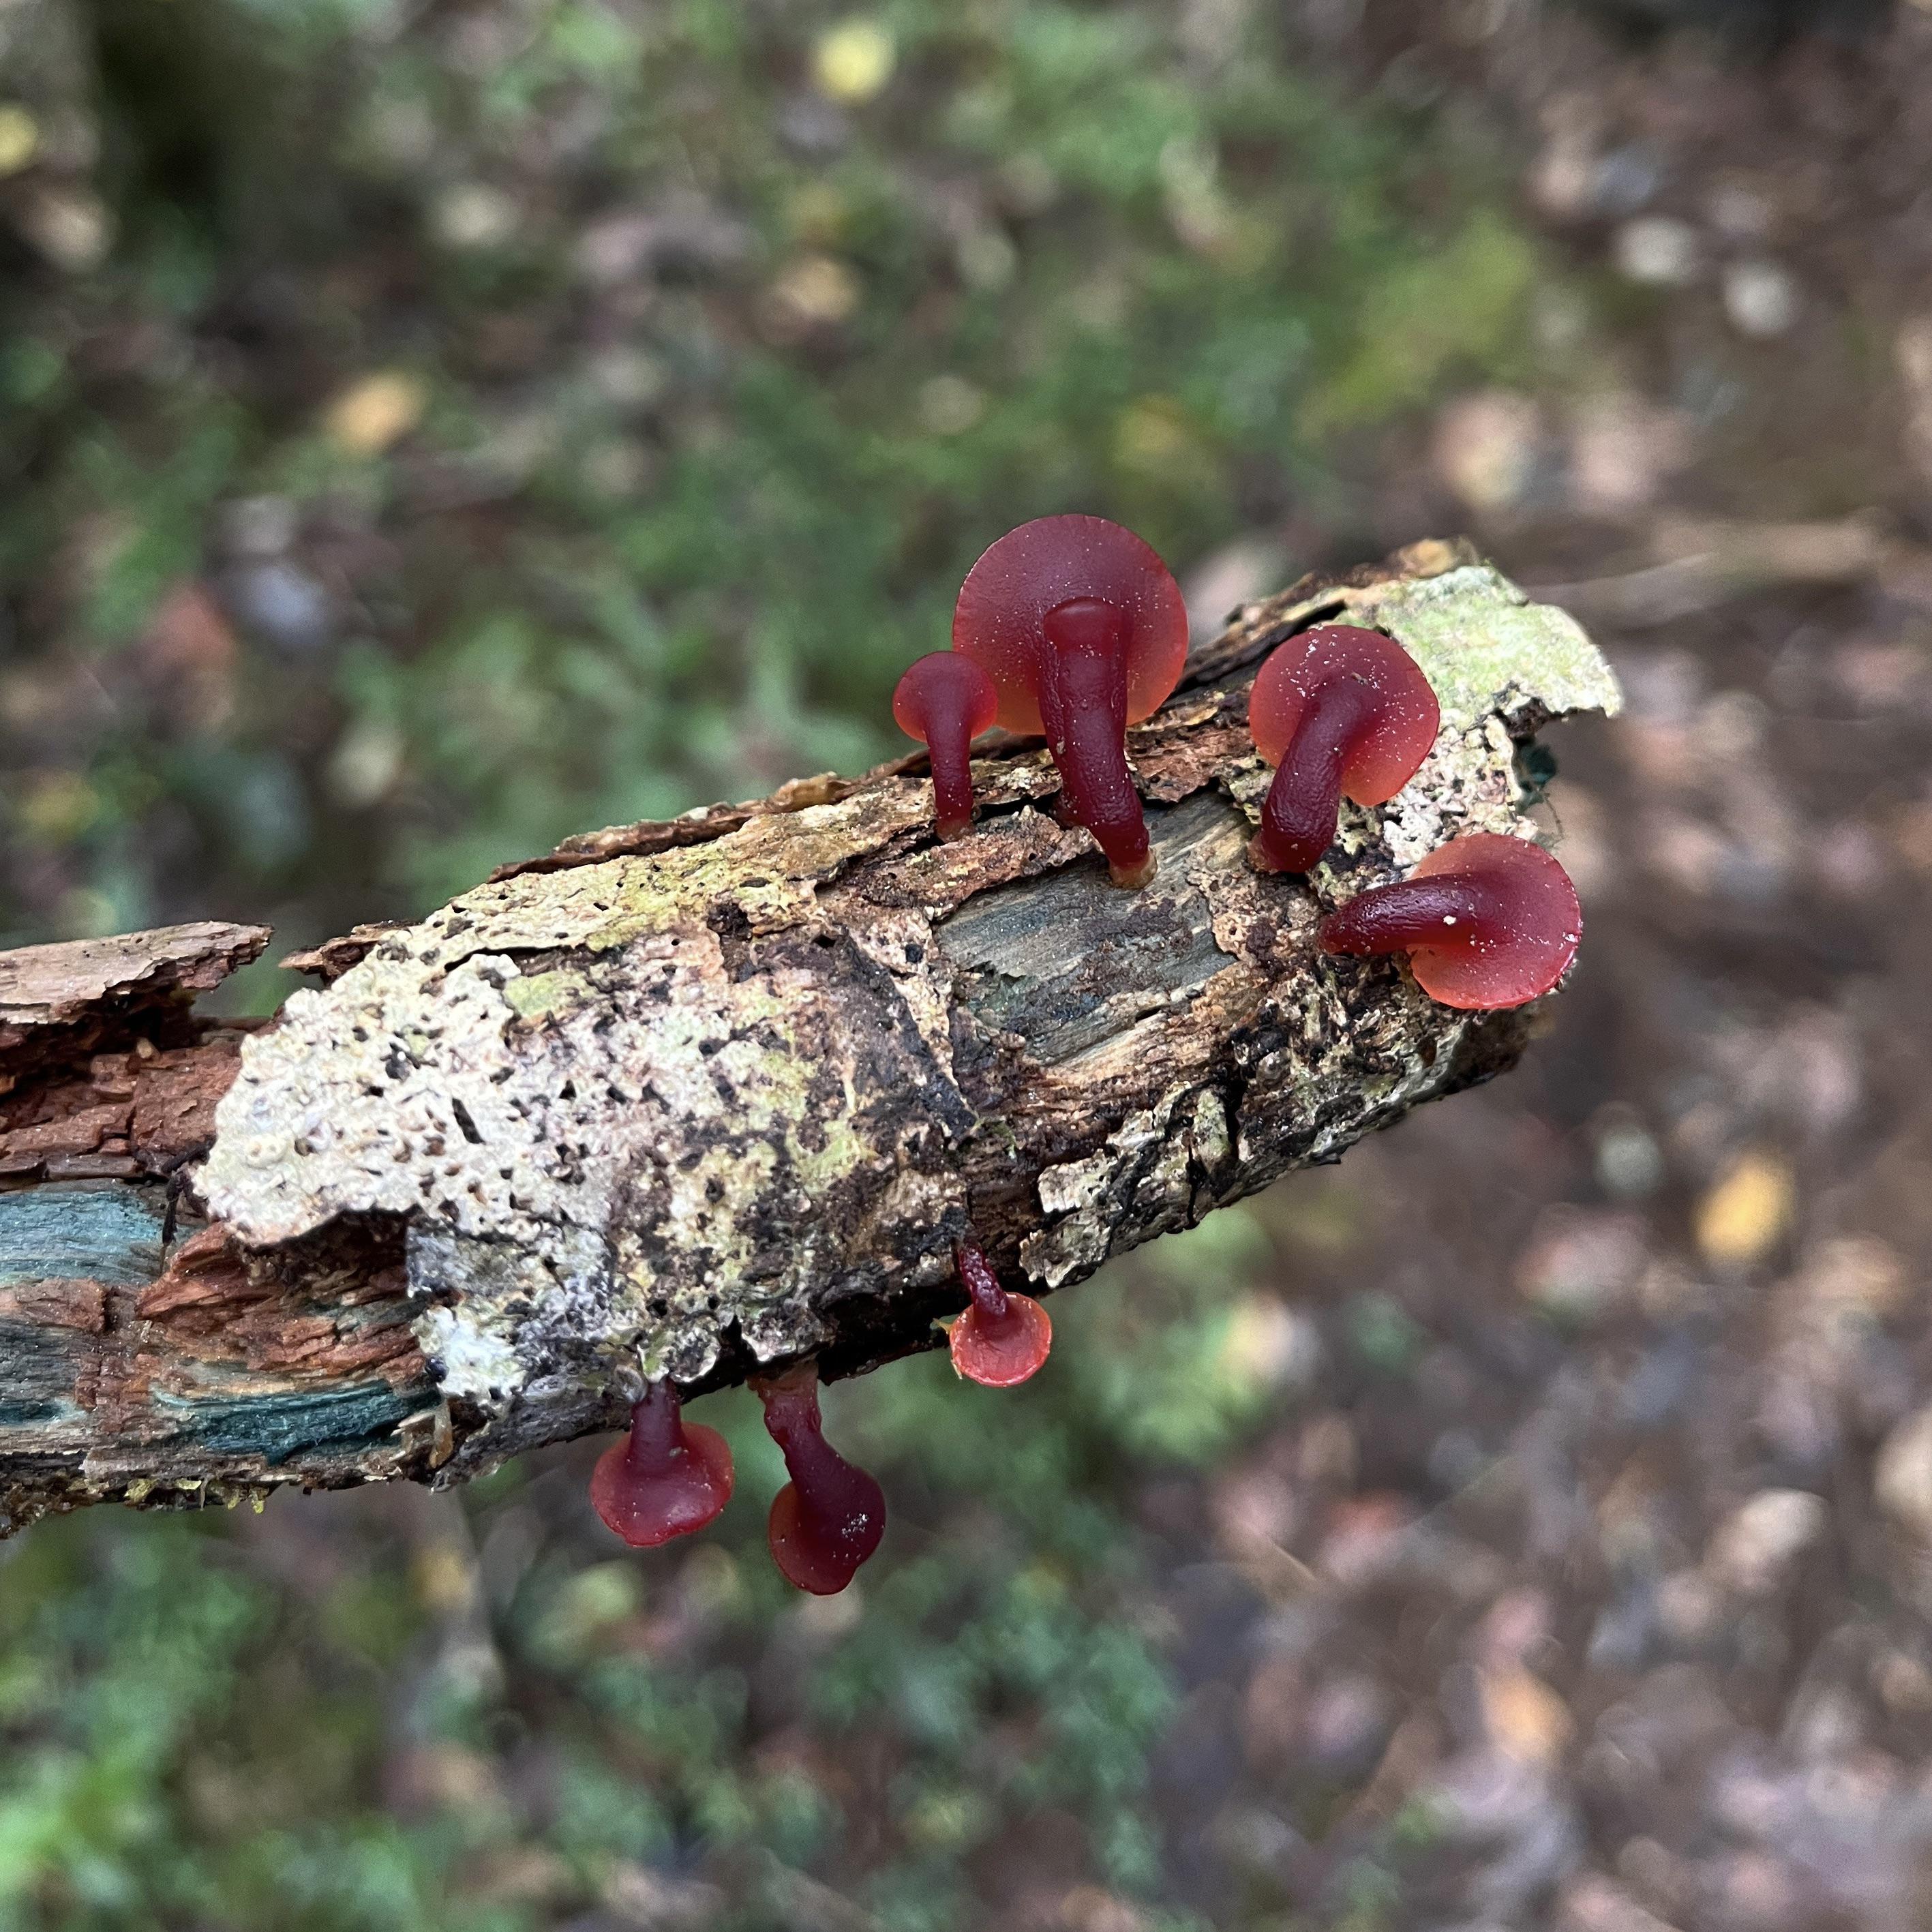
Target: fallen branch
(699, 1097)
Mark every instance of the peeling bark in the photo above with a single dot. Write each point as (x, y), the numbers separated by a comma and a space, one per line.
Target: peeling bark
(700, 1098)
(59, 1002)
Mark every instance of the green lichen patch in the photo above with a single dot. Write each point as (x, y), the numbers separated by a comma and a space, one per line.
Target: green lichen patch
(1489, 650)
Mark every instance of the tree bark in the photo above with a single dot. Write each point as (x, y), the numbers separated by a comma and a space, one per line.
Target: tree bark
(705, 1097)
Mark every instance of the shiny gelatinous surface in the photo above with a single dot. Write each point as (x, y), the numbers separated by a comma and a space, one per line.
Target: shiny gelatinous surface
(1083, 632)
(667, 1478)
(1486, 920)
(1083, 708)
(947, 699)
(1003, 1338)
(1337, 710)
(828, 1520)
(1000, 618)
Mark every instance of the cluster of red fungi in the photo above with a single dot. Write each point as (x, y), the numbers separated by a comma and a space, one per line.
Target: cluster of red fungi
(1071, 627)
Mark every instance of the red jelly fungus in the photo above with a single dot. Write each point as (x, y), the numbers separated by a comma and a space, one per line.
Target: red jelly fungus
(947, 700)
(1337, 709)
(667, 1478)
(1083, 632)
(1004, 1337)
(1486, 920)
(828, 1520)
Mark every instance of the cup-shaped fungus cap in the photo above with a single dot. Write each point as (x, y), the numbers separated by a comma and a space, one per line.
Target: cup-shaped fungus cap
(1338, 709)
(946, 699)
(667, 1477)
(1083, 632)
(1004, 1337)
(828, 1520)
(1487, 921)
(1000, 618)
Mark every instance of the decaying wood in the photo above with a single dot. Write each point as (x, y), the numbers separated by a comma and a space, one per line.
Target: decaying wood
(696, 1098)
(56, 1001)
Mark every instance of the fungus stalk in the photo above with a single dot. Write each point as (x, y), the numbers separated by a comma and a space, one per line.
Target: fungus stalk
(1438, 914)
(1487, 921)
(1083, 632)
(828, 1520)
(952, 777)
(946, 700)
(1298, 819)
(1083, 705)
(1338, 709)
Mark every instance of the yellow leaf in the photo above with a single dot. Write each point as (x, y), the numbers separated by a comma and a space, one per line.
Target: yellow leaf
(817, 290)
(1742, 1219)
(370, 414)
(854, 60)
(19, 139)
(1527, 1719)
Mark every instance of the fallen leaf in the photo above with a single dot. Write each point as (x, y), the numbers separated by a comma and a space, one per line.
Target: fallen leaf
(1745, 1215)
(816, 291)
(19, 139)
(370, 414)
(854, 60)
(1525, 1718)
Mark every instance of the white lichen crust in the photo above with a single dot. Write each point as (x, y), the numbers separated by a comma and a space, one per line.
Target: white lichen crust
(621, 1105)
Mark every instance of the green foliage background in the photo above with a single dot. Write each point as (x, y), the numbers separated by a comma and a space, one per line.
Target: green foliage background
(715, 383)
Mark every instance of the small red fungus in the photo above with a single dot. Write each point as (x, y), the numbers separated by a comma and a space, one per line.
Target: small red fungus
(1083, 632)
(947, 700)
(828, 1520)
(1004, 1337)
(1337, 709)
(1486, 920)
(667, 1478)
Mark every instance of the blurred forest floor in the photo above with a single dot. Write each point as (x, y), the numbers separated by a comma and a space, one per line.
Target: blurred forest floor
(427, 429)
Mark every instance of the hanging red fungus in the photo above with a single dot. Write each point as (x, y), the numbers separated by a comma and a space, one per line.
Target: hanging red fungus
(947, 700)
(1486, 920)
(1004, 1337)
(828, 1520)
(667, 1478)
(1083, 632)
(1337, 709)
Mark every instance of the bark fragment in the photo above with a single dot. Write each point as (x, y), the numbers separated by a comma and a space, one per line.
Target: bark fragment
(59, 1002)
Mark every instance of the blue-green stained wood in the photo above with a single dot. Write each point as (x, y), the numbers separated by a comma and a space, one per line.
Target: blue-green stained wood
(43, 1365)
(104, 1231)
(279, 1426)
(110, 1232)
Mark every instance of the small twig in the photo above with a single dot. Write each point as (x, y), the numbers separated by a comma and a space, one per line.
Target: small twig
(1704, 564)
